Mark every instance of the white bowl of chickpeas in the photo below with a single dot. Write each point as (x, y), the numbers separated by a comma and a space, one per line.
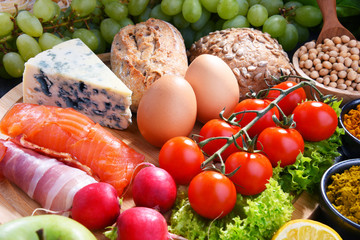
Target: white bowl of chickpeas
(333, 65)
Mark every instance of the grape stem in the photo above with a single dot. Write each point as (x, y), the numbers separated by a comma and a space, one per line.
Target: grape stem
(259, 114)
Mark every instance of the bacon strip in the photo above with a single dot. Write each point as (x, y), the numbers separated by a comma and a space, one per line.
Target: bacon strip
(46, 180)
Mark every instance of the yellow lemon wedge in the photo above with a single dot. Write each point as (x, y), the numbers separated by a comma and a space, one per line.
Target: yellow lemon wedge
(304, 229)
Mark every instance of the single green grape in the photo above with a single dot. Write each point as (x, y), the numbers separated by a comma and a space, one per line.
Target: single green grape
(48, 40)
(136, 7)
(145, 15)
(210, 5)
(290, 38)
(102, 43)
(179, 21)
(199, 24)
(13, 64)
(272, 6)
(116, 10)
(275, 25)
(171, 7)
(126, 21)
(6, 24)
(44, 10)
(243, 7)
(308, 16)
(237, 22)
(108, 28)
(3, 73)
(88, 37)
(83, 7)
(156, 12)
(191, 10)
(27, 46)
(29, 24)
(228, 9)
(303, 32)
(257, 15)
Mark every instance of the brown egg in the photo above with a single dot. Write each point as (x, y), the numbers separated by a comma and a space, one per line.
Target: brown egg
(166, 110)
(215, 86)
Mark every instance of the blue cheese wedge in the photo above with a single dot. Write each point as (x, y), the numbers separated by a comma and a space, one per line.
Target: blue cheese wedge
(71, 75)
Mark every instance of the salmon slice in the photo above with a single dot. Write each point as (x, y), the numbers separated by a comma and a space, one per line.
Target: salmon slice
(65, 130)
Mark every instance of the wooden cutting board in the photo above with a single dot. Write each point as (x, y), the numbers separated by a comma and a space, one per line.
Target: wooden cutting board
(14, 203)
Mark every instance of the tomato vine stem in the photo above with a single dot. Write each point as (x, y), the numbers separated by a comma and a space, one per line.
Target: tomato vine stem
(259, 113)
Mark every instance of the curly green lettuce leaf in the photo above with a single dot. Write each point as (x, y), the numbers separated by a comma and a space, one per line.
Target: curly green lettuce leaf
(252, 218)
(265, 214)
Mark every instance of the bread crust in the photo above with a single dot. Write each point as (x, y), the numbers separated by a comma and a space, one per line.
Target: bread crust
(142, 53)
(251, 54)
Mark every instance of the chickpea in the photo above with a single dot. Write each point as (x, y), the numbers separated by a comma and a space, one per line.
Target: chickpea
(340, 81)
(338, 66)
(351, 75)
(340, 59)
(348, 83)
(333, 53)
(316, 61)
(310, 45)
(312, 56)
(354, 51)
(347, 62)
(327, 65)
(325, 57)
(354, 57)
(342, 74)
(345, 39)
(341, 86)
(333, 77)
(320, 55)
(343, 54)
(355, 65)
(314, 74)
(301, 64)
(343, 48)
(313, 50)
(357, 79)
(333, 84)
(323, 72)
(332, 60)
(326, 81)
(320, 80)
(304, 57)
(337, 40)
(353, 85)
(308, 64)
(352, 43)
(358, 87)
(349, 88)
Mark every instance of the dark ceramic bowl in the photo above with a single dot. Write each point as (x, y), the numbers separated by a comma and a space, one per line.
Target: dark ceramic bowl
(351, 145)
(342, 223)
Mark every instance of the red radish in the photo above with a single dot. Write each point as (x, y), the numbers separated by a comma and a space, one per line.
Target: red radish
(96, 206)
(154, 187)
(141, 223)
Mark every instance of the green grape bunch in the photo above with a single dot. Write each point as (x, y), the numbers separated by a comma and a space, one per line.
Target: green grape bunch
(24, 34)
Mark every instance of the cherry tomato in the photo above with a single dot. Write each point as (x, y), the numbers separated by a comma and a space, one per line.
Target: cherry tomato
(263, 122)
(219, 128)
(280, 144)
(212, 194)
(315, 121)
(254, 172)
(182, 158)
(288, 103)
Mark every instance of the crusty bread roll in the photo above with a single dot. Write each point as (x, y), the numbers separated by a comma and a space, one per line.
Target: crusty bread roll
(251, 54)
(142, 53)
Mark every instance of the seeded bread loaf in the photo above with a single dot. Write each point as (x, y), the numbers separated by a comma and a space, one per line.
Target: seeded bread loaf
(251, 54)
(142, 53)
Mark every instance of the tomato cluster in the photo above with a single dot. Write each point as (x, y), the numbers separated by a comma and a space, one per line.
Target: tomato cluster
(248, 159)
